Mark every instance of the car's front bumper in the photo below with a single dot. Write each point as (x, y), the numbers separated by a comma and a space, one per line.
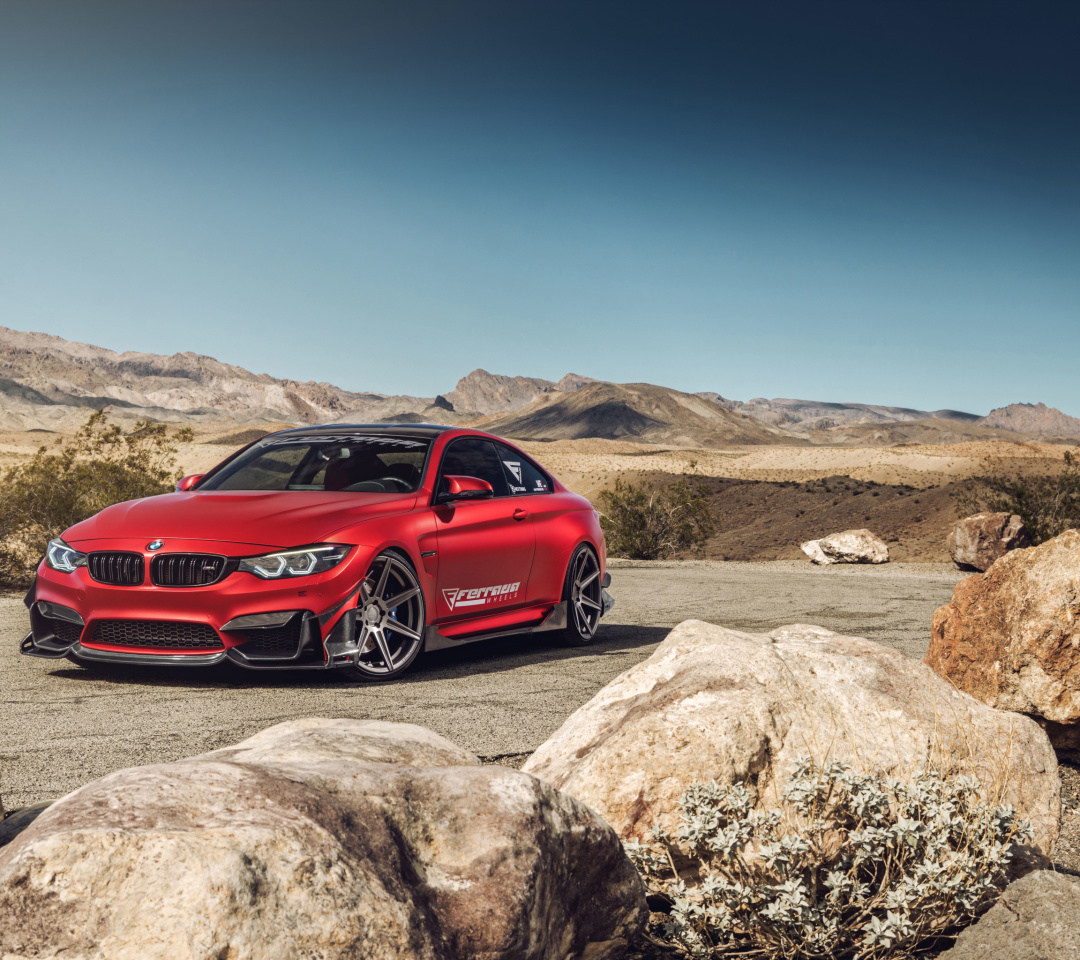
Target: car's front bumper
(259, 624)
(295, 644)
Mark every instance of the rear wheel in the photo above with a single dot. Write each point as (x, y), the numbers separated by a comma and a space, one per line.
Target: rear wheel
(582, 595)
(389, 619)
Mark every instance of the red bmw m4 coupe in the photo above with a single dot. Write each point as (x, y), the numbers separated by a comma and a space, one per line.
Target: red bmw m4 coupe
(343, 547)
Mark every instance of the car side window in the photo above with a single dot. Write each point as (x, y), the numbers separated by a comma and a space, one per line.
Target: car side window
(522, 478)
(474, 457)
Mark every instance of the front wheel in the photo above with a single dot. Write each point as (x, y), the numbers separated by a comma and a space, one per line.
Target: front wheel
(389, 620)
(583, 597)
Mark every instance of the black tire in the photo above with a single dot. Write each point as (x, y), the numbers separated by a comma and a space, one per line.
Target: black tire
(582, 595)
(390, 620)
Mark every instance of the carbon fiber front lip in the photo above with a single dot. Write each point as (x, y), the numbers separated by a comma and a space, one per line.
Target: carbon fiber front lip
(91, 655)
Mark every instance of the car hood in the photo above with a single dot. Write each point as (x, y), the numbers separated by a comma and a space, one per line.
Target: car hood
(274, 518)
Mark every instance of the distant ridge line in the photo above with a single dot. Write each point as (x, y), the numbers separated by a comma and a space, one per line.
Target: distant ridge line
(49, 382)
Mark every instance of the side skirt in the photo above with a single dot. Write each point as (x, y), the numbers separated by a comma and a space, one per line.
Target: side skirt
(555, 620)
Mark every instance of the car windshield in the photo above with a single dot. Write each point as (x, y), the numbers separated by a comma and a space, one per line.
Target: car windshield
(377, 463)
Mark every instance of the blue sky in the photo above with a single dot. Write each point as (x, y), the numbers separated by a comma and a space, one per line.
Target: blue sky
(839, 201)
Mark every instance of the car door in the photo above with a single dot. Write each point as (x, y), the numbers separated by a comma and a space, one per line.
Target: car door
(533, 492)
(485, 546)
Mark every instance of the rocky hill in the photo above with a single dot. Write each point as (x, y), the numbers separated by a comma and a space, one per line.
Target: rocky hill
(47, 379)
(49, 382)
(862, 424)
(640, 411)
(1036, 419)
(804, 416)
(483, 393)
(928, 431)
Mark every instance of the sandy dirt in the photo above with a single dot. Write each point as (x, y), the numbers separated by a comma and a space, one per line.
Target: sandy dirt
(586, 466)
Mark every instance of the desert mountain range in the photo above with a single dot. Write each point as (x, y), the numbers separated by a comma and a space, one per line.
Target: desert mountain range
(815, 415)
(47, 382)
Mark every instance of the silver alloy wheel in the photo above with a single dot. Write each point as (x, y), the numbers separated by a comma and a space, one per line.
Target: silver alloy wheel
(585, 594)
(389, 618)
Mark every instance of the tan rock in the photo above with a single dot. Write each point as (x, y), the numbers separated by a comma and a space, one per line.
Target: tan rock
(1035, 918)
(812, 548)
(319, 839)
(718, 704)
(851, 546)
(1011, 637)
(976, 542)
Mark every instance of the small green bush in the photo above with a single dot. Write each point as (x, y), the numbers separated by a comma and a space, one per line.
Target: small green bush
(101, 465)
(651, 524)
(1048, 504)
(850, 866)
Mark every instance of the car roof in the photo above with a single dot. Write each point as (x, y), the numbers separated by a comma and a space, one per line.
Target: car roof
(425, 430)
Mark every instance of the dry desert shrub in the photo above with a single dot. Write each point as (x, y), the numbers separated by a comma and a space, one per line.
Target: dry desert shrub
(1049, 504)
(101, 465)
(846, 862)
(849, 865)
(651, 524)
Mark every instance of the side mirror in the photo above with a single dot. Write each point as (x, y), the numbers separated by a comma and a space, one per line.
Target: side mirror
(186, 483)
(465, 488)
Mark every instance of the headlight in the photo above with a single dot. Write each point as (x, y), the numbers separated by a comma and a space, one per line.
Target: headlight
(61, 557)
(295, 563)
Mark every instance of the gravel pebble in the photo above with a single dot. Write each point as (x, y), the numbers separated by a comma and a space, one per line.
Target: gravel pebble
(1067, 851)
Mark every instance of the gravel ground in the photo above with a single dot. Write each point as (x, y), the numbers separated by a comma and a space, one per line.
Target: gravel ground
(1067, 851)
(65, 725)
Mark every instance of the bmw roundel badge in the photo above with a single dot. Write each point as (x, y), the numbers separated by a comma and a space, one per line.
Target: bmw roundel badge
(156, 545)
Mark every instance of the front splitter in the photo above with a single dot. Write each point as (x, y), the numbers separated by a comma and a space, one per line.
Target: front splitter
(91, 655)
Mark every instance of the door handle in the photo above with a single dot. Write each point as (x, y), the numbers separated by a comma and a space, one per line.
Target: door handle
(520, 514)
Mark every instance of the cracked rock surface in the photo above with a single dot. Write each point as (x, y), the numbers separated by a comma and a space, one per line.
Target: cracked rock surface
(719, 704)
(977, 541)
(1011, 637)
(850, 546)
(1036, 918)
(319, 839)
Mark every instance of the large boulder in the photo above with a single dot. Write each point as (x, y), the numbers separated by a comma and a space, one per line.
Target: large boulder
(719, 704)
(320, 839)
(976, 542)
(851, 546)
(1036, 918)
(1011, 637)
